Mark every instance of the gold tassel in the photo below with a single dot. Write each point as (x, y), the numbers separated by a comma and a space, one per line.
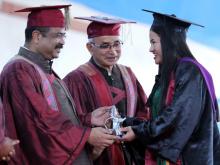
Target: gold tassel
(67, 18)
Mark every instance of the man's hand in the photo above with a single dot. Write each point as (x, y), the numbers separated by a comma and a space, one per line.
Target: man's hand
(101, 137)
(128, 134)
(7, 148)
(96, 152)
(100, 115)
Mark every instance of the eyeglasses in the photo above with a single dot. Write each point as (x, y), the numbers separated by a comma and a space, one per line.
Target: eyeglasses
(105, 46)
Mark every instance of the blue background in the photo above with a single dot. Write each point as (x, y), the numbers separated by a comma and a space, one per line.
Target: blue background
(204, 12)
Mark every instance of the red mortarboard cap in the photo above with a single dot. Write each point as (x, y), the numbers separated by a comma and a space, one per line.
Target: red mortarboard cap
(45, 16)
(161, 19)
(103, 26)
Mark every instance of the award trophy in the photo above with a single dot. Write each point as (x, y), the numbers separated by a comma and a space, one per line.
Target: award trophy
(116, 122)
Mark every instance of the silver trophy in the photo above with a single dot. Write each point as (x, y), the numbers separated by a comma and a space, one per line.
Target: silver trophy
(116, 122)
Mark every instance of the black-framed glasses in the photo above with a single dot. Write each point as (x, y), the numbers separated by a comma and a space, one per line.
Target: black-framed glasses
(105, 46)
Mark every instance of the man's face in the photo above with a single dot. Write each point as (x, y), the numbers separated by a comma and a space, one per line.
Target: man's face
(106, 50)
(51, 43)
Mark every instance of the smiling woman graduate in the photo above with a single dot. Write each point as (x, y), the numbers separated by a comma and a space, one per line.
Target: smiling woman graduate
(184, 111)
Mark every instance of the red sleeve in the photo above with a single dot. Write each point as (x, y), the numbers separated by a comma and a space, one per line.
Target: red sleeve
(83, 96)
(1, 122)
(142, 110)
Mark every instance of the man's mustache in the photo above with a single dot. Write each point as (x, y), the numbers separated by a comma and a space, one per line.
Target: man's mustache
(59, 46)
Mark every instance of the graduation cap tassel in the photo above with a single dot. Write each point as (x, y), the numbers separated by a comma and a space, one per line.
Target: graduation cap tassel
(126, 33)
(67, 18)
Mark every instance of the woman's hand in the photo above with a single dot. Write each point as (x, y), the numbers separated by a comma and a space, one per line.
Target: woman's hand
(129, 134)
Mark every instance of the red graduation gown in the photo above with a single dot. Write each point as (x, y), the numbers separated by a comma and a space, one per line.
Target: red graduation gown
(46, 136)
(1, 122)
(90, 90)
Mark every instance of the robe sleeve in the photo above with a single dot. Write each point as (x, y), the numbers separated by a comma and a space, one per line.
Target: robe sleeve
(83, 96)
(2, 135)
(142, 110)
(170, 131)
(37, 124)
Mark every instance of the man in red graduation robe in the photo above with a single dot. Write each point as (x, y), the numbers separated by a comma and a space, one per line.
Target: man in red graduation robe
(103, 82)
(39, 110)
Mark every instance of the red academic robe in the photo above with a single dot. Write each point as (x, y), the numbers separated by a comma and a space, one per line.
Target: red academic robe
(46, 136)
(90, 90)
(2, 135)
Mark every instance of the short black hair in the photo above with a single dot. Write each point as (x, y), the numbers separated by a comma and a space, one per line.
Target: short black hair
(29, 31)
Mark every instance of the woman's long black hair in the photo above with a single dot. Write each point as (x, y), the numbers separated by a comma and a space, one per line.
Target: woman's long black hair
(174, 47)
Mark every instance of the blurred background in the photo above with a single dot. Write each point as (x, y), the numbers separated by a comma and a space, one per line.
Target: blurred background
(203, 42)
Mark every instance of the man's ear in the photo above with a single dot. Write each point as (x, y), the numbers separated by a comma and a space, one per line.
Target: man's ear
(89, 47)
(36, 36)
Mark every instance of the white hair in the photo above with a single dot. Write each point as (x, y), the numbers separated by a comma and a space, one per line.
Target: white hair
(90, 40)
